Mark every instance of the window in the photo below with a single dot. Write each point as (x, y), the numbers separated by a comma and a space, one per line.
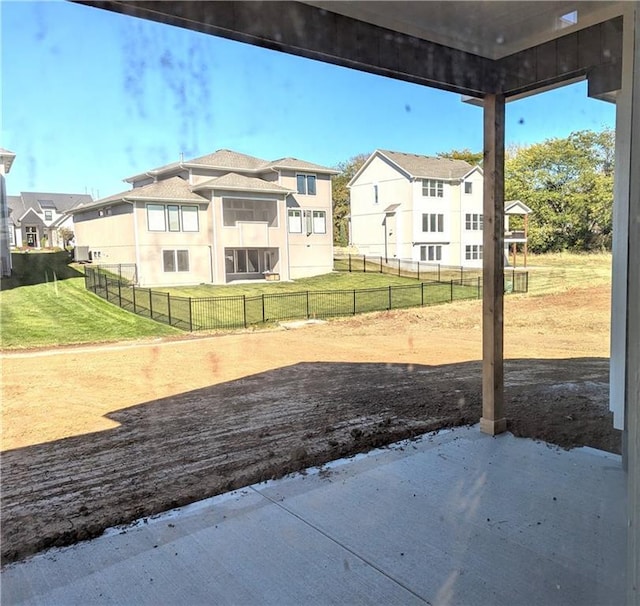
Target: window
(48, 215)
(295, 221)
(431, 253)
(319, 222)
(306, 184)
(155, 217)
(473, 222)
(433, 223)
(175, 260)
(473, 252)
(235, 210)
(173, 214)
(375, 193)
(468, 187)
(245, 261)
(433, 188)
(189, 218)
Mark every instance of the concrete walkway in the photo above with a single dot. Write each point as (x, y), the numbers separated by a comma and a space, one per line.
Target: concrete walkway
(454, 518)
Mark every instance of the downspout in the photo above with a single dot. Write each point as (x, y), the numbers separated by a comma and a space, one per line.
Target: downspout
(214, 266)
(135, 238)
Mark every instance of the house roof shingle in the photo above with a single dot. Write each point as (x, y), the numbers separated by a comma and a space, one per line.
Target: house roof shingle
(227, 159)
(174, 189)
(428, 166)
(37, 201)
(235, 181)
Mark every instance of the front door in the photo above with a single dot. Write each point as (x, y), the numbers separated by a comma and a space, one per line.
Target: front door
(32, 236)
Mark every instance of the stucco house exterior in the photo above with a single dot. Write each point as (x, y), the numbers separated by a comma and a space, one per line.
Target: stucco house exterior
(6, 160)
(214, 219)
(418, 208)
(37, 218)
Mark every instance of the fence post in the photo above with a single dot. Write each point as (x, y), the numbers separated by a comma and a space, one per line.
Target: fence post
(244, 309)
(438, 272)
(106, 288)
(169, 307)
(452, 290)
(389, 297)
(461, 275)
(526, 282)
(150, 305)
(479, 292)
(190, 315)
(349, 262)
(398, 267)
(421, 292)
(119, 293)
(263, 319)
(133, 288)
(364, 263)
(380, 263)
(354, 301)
(308, 305)
(120, 271)
(418, 270)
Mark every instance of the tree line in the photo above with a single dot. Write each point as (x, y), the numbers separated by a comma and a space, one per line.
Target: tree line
(567, 182)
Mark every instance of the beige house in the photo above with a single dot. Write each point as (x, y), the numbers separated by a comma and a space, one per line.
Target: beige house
(221, 217)
(417, 208)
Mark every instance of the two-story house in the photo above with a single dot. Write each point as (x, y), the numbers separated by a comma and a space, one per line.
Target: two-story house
(37, 219)
(6, 160)
(217, 218)
(417, 208)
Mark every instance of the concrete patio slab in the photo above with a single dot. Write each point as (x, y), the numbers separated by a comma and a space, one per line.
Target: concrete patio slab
(452, 518)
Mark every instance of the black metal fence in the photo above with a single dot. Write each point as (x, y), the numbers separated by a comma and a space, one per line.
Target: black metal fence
(211, 313)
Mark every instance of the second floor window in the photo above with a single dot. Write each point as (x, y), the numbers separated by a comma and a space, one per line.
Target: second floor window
(48, 215)
(473, 222)
(306, 184)
(173, 217)
(468, 187)
(315, 221)
(433, 188)
(433, 222)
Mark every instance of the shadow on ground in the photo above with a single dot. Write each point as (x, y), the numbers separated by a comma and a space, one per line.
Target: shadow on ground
(173, 451)
(39, 267)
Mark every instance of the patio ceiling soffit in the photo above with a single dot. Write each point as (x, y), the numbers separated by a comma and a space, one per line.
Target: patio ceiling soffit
(308, 31)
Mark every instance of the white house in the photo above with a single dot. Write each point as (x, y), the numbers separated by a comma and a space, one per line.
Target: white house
(6, 160)
(419, 208)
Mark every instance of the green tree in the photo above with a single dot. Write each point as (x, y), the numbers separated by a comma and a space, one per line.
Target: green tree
(466, 154)
(340, 194)
(568, 183)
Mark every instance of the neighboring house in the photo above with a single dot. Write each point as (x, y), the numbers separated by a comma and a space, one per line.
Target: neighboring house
(6, 160)
(217, 218)
(37, 218)
(419, 208)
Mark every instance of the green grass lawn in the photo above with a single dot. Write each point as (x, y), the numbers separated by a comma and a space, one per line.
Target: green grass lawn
(561, 271)
(44, 303)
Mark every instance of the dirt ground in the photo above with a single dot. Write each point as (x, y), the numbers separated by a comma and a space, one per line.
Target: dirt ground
(98, 436)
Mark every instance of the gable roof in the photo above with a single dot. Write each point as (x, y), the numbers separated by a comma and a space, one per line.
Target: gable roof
(516, 207)
(168, 190)
(37, 202)
(428, 166)
(229, 159)
(234, 181)
(417, 166)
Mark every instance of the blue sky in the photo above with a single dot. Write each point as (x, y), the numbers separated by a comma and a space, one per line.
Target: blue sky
(90, 97)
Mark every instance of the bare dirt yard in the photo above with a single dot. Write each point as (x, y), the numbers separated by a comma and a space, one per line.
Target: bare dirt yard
(98, 436)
